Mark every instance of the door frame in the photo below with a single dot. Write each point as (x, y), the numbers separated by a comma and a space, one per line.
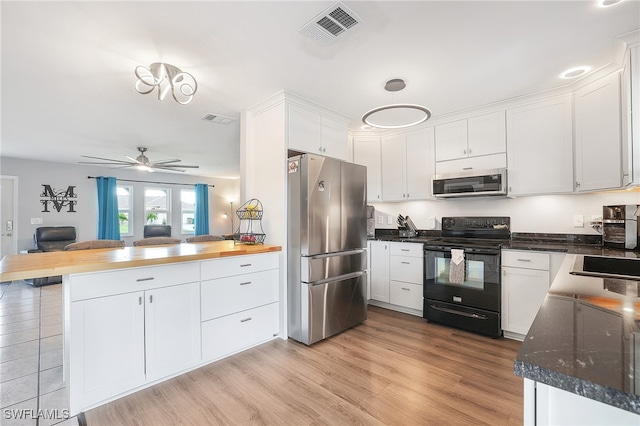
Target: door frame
(15, 212)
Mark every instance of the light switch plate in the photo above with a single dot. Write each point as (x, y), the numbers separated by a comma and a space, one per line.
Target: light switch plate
(578, 221)
(36, 221)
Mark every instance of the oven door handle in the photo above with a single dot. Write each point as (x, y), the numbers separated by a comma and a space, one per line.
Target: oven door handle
(466, 250)
(456, 312)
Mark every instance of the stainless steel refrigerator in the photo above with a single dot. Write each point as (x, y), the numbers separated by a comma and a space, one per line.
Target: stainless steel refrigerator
(327, 240)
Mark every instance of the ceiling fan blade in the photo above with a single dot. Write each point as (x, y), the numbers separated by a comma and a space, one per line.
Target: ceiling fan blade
(165, 161)
(182, 166)
(106, 159)
(119, 163)
(170, 168)
(135, 161)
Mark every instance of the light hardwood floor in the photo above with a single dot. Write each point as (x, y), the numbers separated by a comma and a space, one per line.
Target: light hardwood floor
(394, 369)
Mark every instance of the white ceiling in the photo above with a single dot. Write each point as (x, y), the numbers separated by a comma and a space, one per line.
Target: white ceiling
(67, 82)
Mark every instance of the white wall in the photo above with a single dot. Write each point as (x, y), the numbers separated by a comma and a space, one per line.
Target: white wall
(33, 174)
(543, 214)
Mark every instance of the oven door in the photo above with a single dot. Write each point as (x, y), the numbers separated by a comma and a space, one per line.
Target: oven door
(481, 286)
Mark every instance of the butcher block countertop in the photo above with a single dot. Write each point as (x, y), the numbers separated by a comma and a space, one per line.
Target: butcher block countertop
(36, 265)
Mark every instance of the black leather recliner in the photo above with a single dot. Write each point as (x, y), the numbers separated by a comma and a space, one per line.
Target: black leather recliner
(52, 238)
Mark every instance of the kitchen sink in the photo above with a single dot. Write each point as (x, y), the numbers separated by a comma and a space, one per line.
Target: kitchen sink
(607, 267)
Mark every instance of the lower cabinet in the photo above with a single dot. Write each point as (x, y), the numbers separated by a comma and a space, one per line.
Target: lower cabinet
(129, 328)
(397, 275)
(526, 277)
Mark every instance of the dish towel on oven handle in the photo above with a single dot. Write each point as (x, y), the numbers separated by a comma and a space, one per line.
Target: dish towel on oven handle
(457, 267)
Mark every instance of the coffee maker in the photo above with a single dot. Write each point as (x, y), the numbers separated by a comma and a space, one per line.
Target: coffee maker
(620, 226)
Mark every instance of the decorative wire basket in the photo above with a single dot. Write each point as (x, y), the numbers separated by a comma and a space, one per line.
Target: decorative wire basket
(250, 227)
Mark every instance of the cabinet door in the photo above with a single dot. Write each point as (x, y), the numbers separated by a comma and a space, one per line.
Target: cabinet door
(107, 349)
(394, 163)
(598, 139)
(539, 148)
(366, 151)
(487, 134)
(420, 164)
(305, 130)
(172, 328)
(379, 270)
(335, 138)
(451, 140)
(523, 291)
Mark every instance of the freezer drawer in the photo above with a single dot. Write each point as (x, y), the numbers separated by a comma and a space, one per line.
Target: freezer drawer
(330, 308)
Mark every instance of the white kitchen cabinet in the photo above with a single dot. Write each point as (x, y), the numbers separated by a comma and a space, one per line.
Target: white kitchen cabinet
(525, 283)
(407, 165)
(630, 101)
(379, 252)
(598, 147)
(316, 133)
(540, 147)
(122, 341)
(473, 137)
(239, 303)
(366, 152)
(406, 266)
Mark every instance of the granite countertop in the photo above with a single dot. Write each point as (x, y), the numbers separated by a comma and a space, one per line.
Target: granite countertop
(586, 340)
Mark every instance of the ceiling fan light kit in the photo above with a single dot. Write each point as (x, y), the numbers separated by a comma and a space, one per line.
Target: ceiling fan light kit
(142, 162)
(165, 78)
(396, 116)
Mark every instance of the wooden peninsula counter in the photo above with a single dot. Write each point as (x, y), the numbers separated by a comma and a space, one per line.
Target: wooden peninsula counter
(136, 316)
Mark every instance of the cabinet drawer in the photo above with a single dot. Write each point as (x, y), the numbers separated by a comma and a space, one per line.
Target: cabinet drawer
(99, 284)
(229, 295)
(407, 249)
(525, 259)
(405, 294)
(406, 269)
(223, 336)
(236, 265)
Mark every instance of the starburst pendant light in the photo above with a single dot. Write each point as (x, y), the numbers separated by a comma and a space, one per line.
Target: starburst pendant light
(396, 116)
(166, 78)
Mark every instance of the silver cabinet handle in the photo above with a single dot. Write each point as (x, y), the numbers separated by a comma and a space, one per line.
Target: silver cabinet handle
(406, 263)
(144, 279)
(245, 283)
(407, 289)
(467, 168)
(151, 298)
(245, 265)
(577, 184)
(405, 250)
(245, 320)
(523, 260)
(140, 300)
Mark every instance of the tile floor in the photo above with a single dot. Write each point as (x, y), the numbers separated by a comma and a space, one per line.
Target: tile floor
(31, 380)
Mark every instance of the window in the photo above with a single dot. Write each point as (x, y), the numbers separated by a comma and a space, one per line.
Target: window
(188, 208)
(125, 205)
(156, 206)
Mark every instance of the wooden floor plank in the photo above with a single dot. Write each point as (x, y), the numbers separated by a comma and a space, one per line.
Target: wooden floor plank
(394, 369)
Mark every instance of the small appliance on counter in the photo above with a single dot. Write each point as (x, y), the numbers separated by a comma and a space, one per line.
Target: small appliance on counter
(620, 226)
(371, 222)
(406, 227)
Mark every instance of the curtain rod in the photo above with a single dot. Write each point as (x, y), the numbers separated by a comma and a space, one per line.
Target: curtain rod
(149, 181)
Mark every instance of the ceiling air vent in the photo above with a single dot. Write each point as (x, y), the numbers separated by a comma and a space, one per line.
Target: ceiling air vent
(331, 23)
(217, 118)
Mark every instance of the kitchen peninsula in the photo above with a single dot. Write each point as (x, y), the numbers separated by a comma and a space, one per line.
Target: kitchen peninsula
(136, 316)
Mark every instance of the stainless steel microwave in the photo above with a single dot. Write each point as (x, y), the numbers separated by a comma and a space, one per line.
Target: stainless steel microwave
(470, 183)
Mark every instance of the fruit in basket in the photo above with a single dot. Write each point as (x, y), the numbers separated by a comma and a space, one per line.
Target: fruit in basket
(252, 211)
(248, 238)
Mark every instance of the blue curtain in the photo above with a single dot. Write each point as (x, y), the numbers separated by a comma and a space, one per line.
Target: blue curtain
(202, 209)
(108, 223)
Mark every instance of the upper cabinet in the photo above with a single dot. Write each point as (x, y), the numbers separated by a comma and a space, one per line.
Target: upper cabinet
(598, 148)
(539, 147)
(316, 133)
(366, 152)
(407, 165)
(472, 137)
(630, 92)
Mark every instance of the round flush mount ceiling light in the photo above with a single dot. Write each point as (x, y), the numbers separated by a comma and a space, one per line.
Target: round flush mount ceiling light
(396, 116)
(575, 72)
(607, 3)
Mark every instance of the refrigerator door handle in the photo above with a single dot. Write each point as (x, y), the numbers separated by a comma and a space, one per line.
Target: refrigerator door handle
(336, 254)
(338, 278)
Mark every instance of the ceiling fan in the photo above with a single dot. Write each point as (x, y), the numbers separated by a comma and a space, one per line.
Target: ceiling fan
(141, 162)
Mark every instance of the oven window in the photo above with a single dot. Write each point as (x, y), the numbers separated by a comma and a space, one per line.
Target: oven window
(474, 273)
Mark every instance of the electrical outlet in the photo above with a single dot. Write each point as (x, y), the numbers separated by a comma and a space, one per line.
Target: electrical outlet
(36, 221)
(578, 221)
(389, 221)
(381, 220)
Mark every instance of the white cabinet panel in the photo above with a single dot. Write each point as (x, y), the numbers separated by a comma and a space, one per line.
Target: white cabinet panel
(406, 269)
(335, 139)
(539, 147)
(407, 249)
(394, 166)
(310, 131)
(630, 94)
(225, 335)
(451, 140)
(379, 270)
(366, 152)
(236, 265)
(406, 294)
(172, 329)
(523, 291)
(473, 137)
(228, 295)
(598, 155)
(525, 259)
